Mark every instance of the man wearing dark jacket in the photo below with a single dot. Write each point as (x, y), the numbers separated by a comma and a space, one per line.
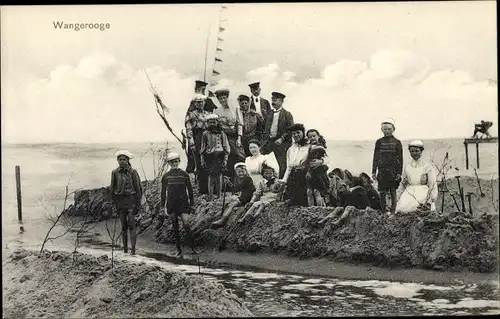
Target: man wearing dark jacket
(276, 136)
(257, 103)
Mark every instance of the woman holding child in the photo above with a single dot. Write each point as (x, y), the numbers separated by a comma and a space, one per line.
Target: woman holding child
(297, 167)
(418, 188)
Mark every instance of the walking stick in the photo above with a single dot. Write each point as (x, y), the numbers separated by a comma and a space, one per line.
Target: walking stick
(461, 193)
(479, 183)
(455, 200)
(223, 196)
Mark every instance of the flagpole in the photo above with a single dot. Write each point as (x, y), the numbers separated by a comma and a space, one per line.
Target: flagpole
(206, 54)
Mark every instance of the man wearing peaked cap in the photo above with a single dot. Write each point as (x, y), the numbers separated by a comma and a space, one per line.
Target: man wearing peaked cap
(278, 95)
(253, 123)
(200, 87)
(257, 103)
(276, 134)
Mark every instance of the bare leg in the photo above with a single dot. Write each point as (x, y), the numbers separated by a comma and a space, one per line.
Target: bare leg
(259, 210)
(175, 224)
(383, 204)
(189, 235)
(319, 199)
(132, 229)
(123, 221)
(226, 214)
(310, 197)
(394, 200)
(249, 212)
(335, 213)
(344, 216)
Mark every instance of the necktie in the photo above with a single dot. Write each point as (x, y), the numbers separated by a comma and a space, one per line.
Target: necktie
(256, 100)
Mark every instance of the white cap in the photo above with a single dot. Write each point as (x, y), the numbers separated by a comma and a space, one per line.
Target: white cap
(240, 164)
(212, 116)
(199, 97)
(416, 143)
(124, 153)
(171, 156)
(389, 121)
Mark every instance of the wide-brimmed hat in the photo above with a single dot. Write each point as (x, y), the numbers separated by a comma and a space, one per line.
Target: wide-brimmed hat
(124, 153)
(172, 156)
(240, 164)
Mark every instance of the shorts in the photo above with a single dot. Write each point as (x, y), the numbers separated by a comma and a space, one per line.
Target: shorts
(386, 179)
(126, 202)
(178, 207)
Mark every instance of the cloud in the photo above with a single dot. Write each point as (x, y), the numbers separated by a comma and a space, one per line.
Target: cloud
(101, 99)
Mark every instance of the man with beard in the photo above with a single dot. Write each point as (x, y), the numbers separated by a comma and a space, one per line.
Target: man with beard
(253, 123)
(231, 122)
(257, 103)
(276, 134)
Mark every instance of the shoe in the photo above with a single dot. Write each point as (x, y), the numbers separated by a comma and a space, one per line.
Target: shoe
(132, 252)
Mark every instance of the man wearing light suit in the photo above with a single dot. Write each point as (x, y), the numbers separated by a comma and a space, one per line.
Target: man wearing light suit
(257, 103)
(278, 140)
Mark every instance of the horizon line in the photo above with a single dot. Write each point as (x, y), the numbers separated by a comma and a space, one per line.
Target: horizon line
(176, 142)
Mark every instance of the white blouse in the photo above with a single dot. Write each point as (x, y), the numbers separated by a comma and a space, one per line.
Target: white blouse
(254, 166)
(295, 156)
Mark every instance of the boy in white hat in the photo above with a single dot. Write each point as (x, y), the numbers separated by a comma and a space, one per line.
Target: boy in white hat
(177, 194)
(388, 162)
(126, 193)
(244, 184)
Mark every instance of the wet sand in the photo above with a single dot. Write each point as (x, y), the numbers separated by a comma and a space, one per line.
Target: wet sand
(313, 267)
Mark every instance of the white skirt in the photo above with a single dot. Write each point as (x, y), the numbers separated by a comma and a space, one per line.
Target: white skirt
(412, 197)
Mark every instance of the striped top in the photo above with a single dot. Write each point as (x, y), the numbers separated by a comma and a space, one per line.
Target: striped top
(175, 184)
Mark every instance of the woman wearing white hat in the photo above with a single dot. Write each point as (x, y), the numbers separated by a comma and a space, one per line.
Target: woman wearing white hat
(418, 188)
(126, 193)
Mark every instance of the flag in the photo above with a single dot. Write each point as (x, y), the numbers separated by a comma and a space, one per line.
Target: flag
(220, 50)
(217, 59)
(221, 29)
(220, 39)
(215, 72)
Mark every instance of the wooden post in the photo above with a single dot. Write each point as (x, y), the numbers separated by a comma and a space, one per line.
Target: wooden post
(466, 155)
(477, 154)
(19, 198)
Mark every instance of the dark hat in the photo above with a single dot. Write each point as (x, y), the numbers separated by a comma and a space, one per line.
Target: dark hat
(199, 84)
(210, 93)
(243, 97)
(222, 92)
(296, 127)
(254, 86)
(278, 95)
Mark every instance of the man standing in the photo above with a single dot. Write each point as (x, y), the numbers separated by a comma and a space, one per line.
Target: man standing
(276, 131)
(231, 122)
(257, 103)
(199, 88)
(253, 123)
(196, 123)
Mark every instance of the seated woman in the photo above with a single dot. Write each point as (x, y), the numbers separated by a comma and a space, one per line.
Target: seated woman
(371, 192)
(244, 186)
(266, 193)
(254, 162)
(418, 188)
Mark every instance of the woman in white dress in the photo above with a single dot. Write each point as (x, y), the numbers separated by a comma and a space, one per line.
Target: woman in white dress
(255, 161)
(418, 188)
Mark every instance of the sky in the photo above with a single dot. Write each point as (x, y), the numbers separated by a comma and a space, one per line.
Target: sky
(344, 67)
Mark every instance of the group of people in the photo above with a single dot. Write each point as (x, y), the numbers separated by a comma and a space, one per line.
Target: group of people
(256, 151)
